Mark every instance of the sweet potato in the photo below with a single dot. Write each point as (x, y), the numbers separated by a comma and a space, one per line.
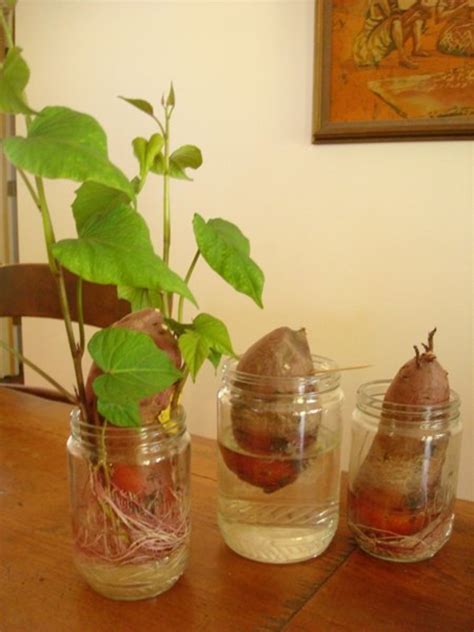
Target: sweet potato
(396, 486)
(260, 427)
(266, 424)
(150, 322)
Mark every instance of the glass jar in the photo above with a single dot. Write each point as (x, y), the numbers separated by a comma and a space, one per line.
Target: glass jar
(130, 505)
(402, 475)
(278, 462)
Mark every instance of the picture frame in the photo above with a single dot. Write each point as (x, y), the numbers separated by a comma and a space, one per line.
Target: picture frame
(368, 89)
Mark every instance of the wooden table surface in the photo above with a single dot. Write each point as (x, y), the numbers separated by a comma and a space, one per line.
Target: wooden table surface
(344, 589)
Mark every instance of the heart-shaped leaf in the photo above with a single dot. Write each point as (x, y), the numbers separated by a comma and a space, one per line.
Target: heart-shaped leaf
(14, 77)
(63, 143)
(194, 349)
(92, 198)
(114, 247)
(134, 368)
(227, 252)
(215, 332)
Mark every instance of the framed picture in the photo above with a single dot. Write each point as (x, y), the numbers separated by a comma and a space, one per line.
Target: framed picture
(393, 70)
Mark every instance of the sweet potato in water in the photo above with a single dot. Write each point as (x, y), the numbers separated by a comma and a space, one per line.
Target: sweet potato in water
(265, 422)
(283, 353)
(150, 322)
(396, 486)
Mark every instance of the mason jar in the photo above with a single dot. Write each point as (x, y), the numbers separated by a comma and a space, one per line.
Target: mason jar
(130, 505)
(402, 474)
(278, 462)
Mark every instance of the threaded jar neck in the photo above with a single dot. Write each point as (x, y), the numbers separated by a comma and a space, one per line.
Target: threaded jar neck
(151, 436)
(370, 401)
(324, 378)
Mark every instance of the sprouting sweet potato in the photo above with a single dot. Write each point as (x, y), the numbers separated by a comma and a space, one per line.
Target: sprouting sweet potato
(283, 353)
(396, 486)
(150, 322)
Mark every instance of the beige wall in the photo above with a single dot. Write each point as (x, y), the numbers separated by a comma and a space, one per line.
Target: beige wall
(367, 246)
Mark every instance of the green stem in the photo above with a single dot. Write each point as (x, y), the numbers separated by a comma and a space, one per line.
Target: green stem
(186, 280)
(57, 271)
(179, 389)
(30, 188)
(166, 197)
(47, 225)
(43, 374)
(80, 315)
(6, 29)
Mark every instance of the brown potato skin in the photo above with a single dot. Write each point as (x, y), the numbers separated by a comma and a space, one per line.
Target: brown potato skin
(261, 423)
(396, 486)
(150, 322)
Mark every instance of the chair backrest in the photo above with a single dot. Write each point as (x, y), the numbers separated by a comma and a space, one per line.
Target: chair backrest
(29, 289)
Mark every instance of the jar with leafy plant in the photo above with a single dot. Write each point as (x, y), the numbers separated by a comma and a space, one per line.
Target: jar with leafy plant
(129, 452)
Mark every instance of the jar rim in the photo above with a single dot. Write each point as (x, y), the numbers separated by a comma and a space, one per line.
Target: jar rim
(370, 399)
(157, 432)
(325, 377)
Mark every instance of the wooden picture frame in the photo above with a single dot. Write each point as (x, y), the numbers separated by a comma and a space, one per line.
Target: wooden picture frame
(368, 89)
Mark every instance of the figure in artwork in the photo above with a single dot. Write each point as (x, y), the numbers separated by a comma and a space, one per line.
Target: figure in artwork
(388, 28)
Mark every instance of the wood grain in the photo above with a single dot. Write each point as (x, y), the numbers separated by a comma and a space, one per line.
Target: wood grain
(344, 589)
(29, 289)
(40, 589)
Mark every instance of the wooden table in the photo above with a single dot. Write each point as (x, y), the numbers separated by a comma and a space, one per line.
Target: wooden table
(344, 589)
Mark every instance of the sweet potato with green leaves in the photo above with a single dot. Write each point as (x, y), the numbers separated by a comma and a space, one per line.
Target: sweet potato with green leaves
(397, 484)
(150, 322)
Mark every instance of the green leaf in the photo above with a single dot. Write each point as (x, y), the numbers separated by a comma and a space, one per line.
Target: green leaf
(134, 368)
(139, 149)
(194, 349)
(14, 77)
(92, 198)
(124, 414)
(187, 156)
(215, 332)
(140, 297)
(11, 3)
(214, 358)
(114, 247)
(154, 146)
(141, 104)
(227, 252)
(63, 143)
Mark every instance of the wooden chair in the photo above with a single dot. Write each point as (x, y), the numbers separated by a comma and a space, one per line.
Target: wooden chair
(29, 289)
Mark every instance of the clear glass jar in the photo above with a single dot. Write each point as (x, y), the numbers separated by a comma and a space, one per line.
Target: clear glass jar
(278, 462)
(130, 505)
(402, 475)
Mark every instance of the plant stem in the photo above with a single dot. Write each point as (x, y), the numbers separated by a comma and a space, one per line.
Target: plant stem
(186, 279)
(57, 271)
(43, 374)
(166, 195)
(179, 389)
(168, 297)
(47, 225)
(80, 315)
(30, 188)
